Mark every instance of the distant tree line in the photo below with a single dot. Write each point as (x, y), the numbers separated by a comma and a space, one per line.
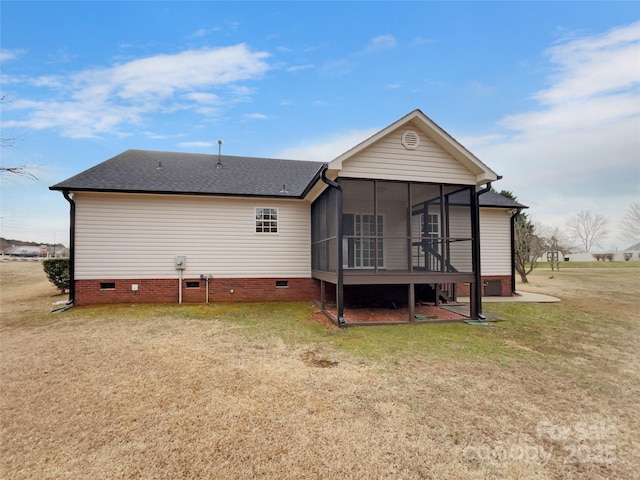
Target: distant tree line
(584, 231)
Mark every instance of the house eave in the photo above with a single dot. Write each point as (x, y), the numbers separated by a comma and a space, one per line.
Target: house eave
(166, 192)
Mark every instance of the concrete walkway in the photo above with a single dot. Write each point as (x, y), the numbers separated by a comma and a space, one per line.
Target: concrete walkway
(526, 297)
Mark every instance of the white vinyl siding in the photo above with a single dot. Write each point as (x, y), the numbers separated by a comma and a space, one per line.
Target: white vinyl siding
(388, 159)
(460, 227)
(495, 241)
(395, 229)
(139, 236)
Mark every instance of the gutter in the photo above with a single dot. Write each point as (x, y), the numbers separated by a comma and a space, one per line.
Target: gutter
(340, 268)
(72, 245)
(319, 174)
(182, 193)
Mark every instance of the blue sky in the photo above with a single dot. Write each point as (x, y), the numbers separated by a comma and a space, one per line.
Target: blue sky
(545, 93)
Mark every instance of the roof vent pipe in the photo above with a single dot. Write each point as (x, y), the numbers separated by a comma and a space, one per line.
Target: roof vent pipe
(219, 164)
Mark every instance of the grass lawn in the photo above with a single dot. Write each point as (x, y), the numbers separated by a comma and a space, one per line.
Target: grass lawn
(266, 391)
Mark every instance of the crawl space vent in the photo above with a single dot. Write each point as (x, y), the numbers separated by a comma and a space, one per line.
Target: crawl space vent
(410, 140)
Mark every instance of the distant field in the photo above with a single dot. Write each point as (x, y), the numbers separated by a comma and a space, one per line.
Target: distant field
(266, 391)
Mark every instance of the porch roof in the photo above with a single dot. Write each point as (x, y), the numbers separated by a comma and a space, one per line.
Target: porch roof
(487, 199)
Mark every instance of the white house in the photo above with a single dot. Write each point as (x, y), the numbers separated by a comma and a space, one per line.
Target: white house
(401, 212)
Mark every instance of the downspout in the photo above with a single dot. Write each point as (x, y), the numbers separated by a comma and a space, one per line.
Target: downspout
(512, 224)
(476, 300)
(72, 245)
(340, 284)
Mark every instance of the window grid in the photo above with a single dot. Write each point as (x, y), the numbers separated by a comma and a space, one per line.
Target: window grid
(433, 225)
(266, 220)
(365, 247)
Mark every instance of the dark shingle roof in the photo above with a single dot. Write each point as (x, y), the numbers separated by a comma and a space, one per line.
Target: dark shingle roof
(197, 174)
(488, 199)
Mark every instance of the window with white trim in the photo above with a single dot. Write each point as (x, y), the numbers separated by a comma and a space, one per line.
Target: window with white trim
(433, 225)
(266, 220)
(360, 241)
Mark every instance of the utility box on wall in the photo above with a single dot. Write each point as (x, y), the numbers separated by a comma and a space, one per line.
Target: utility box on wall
(493, 288)
(181, 262)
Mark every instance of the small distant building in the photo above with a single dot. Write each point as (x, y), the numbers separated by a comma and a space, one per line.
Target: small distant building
(58, 251)
(24, 251)
(628, 254)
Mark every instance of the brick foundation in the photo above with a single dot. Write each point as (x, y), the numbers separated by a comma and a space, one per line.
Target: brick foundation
(96, 292)
(505, 286)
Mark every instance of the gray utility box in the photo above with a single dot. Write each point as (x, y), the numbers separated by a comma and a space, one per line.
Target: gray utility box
(493, 288)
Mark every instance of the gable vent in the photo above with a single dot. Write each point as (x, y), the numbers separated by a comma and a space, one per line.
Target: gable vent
(410, 140)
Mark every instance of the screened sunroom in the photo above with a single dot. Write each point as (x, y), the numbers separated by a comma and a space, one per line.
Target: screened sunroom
(378, 243)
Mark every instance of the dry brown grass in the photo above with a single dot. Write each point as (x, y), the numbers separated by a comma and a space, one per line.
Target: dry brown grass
(93, 394)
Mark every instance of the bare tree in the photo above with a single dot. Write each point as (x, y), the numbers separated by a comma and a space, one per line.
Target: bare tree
(5, 141)
(590, 229)
(528, 246)
(630, 224)
(524, 239)
(555, 242)
(21, 170)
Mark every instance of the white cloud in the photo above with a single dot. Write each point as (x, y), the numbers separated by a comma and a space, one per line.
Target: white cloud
(477, 89)
(382, 42)
(340, 67)
(160, 136)
(297, 68)
(420, 40)
(336, 68)
(327, 149)
(164, 74)
(584, 114)
(204, 98)
(256, 116)
(7, 55)
(104, 100)
(204, 32)
(594, 66)
(580, 149)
